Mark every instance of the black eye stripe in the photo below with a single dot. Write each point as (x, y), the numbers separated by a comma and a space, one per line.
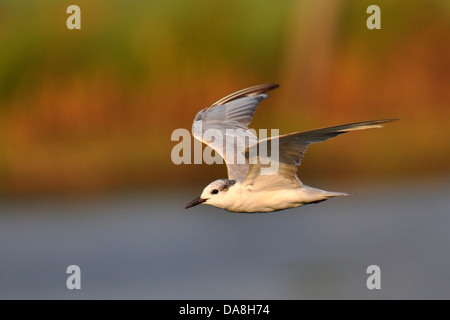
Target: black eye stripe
(223, 186)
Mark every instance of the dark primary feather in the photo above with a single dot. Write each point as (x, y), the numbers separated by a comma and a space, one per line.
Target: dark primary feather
(247, 92)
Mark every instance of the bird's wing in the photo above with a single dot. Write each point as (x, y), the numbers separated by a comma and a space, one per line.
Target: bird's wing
(291, 148)
(224, 127)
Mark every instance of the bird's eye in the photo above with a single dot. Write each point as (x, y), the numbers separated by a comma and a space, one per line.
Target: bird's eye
(215, 191)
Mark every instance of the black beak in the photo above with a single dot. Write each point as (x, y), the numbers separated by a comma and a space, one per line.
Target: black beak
(195, 202)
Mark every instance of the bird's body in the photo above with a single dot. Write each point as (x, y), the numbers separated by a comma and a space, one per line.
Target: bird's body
(245, 199)
(248, 188)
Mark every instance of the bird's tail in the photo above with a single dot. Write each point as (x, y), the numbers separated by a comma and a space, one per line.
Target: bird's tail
(319, 195)
(331, 194)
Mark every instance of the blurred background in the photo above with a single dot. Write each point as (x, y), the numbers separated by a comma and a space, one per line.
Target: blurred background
(86, 176)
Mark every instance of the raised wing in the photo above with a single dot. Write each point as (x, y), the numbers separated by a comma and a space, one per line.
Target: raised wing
(224, 126)
(291, 148)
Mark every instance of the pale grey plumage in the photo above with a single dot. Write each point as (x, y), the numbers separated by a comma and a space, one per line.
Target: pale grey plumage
(234, 111)
(292, 148)
(246, 189)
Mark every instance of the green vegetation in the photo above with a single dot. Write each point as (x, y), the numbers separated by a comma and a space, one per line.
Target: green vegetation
(93, 109)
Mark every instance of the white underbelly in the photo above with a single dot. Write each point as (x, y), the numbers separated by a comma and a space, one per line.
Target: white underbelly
(267, 201)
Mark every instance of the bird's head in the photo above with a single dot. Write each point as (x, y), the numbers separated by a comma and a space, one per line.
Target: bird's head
(214, 194)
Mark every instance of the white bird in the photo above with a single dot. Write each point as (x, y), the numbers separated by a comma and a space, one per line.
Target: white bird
(246, 189)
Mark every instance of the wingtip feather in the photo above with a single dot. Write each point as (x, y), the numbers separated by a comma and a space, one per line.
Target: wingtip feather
(251, 91)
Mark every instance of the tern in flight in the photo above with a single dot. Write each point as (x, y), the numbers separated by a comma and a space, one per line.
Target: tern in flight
(247, 189)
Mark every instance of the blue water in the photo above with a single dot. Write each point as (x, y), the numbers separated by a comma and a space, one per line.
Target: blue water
(147, 246)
